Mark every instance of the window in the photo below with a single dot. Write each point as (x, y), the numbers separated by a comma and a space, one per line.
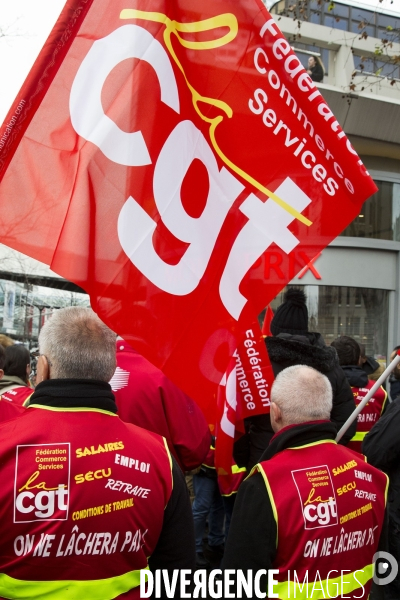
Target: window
(309, 50)
(359, 27)
(365, 317)
(367, 16)
(379, 216)
(353, 327)
(336, 22)
(386, 21)
(339, 10)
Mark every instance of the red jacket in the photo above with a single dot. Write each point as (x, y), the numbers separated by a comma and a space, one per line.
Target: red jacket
(329, 507)
(18, 394)
(369, 414)
(9, 411)
(147, 398)
(82, 504)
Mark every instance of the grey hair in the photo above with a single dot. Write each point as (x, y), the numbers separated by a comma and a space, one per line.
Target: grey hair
(78, 345)
(303, 394)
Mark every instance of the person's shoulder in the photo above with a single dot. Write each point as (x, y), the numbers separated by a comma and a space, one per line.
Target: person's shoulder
(254, 483)
(307, 349)
(7, 407)
(136, 363)
(14, 419)
(139, 433)
(393, 410)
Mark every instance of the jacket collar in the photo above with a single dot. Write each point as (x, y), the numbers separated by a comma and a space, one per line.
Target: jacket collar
(74, 393)
(355, 375)
(294, 436)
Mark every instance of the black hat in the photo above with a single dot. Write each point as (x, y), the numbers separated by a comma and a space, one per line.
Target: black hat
(292, 315)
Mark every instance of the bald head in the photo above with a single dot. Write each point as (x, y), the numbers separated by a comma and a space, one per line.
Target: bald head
(78, 345)
(300, 394)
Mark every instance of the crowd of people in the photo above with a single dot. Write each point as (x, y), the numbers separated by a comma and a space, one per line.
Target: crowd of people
(108, 469)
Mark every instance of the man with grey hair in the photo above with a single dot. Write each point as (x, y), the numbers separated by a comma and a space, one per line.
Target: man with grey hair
(302, 498)
(88, 501)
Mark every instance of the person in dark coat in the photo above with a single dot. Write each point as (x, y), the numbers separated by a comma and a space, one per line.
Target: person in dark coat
(381, 446)
(292, 344)
(316, 68)
(394, 379)
(369, 365)
(348, 351)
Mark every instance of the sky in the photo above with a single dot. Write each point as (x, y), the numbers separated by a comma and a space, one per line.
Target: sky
(29, 22)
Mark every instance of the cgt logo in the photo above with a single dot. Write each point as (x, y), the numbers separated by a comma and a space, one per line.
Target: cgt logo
(45, 502)
(317, 496)
(321, 512)
(268, 222)
(41, 495)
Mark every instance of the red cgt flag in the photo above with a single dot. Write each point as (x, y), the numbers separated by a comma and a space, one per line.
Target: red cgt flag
(243, 391)
(176, 161)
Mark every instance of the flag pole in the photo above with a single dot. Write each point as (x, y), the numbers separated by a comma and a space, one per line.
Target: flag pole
(367, 398)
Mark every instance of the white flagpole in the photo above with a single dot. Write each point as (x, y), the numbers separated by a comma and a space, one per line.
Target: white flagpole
(371, 392)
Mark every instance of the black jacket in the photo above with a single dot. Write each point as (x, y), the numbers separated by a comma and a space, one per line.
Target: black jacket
(251, 540)
(381, 446)
(317, 73)
(394, 388)
(287, 350)
(355, 375)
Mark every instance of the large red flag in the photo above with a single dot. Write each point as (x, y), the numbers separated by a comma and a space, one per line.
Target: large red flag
(176, 161)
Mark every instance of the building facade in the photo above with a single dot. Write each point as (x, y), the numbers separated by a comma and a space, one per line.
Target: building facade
(353, 286)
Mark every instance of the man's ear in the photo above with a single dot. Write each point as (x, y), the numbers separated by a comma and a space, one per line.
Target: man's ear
(43, 369)
(276, 417)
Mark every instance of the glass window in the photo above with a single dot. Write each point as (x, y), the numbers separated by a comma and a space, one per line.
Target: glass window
(384, 34)
(379, 67)
(357, 14)
(396, 212)
(339, 10)
(369, 29)
(365, 317)
(385, 20)
(304, 56)
(336, 22)
(379, 215)
(315, 17)
(315, 5)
